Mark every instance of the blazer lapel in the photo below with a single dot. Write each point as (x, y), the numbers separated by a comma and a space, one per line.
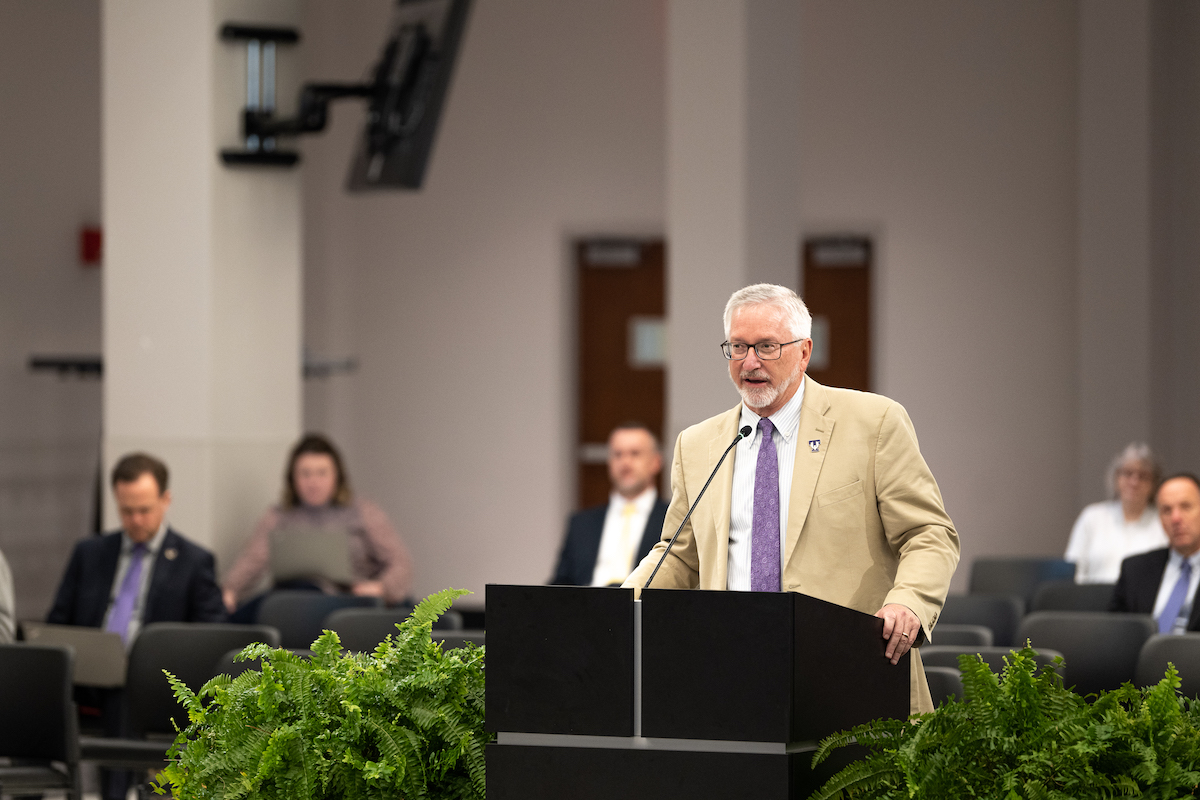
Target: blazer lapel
(814, 427)
(720, 493)
(1148, 589)
(161, 576)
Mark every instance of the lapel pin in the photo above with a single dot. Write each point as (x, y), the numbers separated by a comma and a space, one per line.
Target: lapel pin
(170, 553)
(814, 445)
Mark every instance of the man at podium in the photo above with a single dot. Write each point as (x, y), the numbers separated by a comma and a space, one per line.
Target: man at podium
(827, 493)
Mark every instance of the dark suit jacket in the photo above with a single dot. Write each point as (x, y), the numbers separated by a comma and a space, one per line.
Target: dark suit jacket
(1137, 586)
(577, 560)
(182, 588)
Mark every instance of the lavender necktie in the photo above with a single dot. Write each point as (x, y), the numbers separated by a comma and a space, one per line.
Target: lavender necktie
(764, 531)
(126, 600)
(1166, 620)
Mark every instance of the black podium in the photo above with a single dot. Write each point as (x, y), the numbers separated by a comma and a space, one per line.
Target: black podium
(682, 694)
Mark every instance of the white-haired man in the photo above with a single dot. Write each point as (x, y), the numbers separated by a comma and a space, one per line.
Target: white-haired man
(828, 496)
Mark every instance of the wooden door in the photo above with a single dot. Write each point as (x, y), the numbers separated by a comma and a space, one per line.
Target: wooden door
(621, 360)
(837, 289)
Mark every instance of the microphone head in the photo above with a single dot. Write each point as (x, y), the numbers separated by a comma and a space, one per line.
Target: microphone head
(746, 431)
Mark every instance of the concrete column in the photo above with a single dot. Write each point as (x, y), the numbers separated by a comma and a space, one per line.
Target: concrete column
(733, 74)
(202, 266)
(1114, 323)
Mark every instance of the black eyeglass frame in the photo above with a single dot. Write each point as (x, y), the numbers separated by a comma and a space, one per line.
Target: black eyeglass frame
(726, 350)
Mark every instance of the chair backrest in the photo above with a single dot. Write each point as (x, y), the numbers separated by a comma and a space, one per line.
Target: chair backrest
(1019, 576)
(1072, 596)
(935, 655)
(37, 714)
(974, 635)
(1181, 650)
(1000, 613)
(1101, 649)
(362, 629)
(300, 616)
(456, 639)
(191, 652)
(227, 665)
(945, 683)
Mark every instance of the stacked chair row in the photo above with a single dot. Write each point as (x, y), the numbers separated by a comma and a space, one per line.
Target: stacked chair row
(1099, 651)
(40, 730)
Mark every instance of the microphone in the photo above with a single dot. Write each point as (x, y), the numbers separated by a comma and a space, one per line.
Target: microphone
(744, 433)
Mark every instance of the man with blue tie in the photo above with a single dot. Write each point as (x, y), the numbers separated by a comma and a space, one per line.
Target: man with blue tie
(143, 573)
(1163, 582)
(125, 580)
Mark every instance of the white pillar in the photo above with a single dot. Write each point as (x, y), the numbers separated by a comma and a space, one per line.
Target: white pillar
(733, 74)
(1114, 235)
(202, 266)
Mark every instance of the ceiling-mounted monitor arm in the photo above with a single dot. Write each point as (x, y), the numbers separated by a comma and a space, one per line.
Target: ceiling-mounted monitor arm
(395, 94)
(312, 113)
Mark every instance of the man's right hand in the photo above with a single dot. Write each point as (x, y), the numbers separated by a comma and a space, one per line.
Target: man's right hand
(230, 598)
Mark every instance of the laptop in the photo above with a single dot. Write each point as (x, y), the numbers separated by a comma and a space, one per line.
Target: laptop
(99, 655)
(306, 551)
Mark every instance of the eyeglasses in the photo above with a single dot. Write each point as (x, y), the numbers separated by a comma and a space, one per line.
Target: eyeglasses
(766, 351)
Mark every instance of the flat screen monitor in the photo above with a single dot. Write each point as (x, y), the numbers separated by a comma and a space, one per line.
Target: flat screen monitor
(410, 84)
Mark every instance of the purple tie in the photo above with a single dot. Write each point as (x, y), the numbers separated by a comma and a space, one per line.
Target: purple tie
(1166, 620)
(764, 532)
(123, 605)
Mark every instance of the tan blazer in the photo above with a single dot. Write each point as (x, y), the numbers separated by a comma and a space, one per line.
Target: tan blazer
(866, 525)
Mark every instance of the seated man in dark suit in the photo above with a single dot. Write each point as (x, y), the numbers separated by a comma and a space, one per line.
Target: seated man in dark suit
(145, 572)
(1163, 582)
(604, 543)
(123, 580)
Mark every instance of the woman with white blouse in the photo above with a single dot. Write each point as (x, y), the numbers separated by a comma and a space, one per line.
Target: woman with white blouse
(1126, 524)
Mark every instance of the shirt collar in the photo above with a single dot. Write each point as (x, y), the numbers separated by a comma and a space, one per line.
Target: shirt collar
(1178, 560)
(786, 420)
(643, 502)
(152, 546)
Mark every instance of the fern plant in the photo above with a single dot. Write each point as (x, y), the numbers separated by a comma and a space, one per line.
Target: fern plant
(403, 722)
(1022, 736)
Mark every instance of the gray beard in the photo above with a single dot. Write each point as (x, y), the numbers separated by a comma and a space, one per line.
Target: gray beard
(762, 396)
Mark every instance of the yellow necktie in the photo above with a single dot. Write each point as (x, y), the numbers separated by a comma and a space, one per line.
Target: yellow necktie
(618, 572)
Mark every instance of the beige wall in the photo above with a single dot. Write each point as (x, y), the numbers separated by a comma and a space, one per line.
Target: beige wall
(49, 304)
(946, 130)
(1175, 182)
(202, 298)
(457, 300)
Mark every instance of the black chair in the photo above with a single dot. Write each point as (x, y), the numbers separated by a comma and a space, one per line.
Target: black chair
(228, 666)
(457, 639)
(362, 629)
(1101, 649)
(1000, 613)
(300, 616)
(37, 721)
(971, 635)
(1019, 576)
(945, 683)
(189, 650)
(934, 655)
(1071, 596)
(1182, 650)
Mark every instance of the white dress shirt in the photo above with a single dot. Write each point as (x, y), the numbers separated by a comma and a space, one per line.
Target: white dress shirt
(741, 510)
(152, 548)
(1169, 579)
(1102, 538)
(622, 534)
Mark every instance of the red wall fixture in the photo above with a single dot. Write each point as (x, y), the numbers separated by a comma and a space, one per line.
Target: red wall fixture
(89, 246)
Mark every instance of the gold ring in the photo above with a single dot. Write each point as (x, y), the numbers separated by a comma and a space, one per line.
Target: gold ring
(905, 635)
